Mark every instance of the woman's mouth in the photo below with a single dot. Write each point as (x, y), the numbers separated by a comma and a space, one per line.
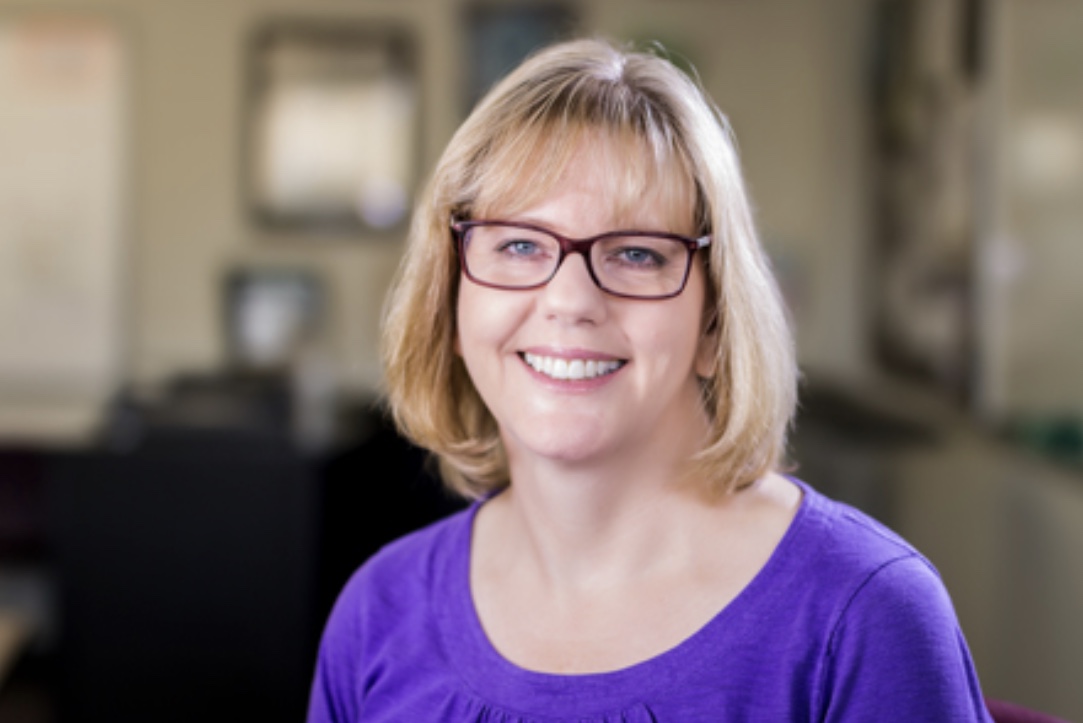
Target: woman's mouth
(571, 369)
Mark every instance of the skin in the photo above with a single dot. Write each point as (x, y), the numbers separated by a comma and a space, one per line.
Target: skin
(599, 535)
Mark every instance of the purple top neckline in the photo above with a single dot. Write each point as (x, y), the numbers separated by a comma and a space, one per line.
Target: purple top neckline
(483, 668)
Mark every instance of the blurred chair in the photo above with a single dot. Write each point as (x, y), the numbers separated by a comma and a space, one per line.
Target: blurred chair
(1004, 712)
(187, 577)
(374, 491)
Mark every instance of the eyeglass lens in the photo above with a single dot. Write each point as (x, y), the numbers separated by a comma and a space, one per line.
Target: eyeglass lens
(516, 258)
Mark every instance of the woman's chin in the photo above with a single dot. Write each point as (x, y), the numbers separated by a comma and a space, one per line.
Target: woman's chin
(566, 448)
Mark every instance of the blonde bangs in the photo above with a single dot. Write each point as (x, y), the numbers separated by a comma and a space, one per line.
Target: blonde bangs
(523, 164)
(524, 173)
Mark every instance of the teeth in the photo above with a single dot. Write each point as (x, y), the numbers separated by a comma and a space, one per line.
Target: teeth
(574, 370)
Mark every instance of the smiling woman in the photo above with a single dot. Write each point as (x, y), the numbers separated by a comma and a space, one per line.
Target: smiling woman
(670, 145)
(587, 335)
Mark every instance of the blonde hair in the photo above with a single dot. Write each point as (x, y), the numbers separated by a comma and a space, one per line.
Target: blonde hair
(509, 154)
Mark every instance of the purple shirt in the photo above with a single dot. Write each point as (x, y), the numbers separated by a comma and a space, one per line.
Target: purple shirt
(845, 622)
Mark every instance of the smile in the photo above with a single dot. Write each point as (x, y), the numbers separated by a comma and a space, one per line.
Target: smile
(570, 369)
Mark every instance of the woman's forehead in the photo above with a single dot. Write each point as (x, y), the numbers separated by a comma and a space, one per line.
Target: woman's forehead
(623, 169)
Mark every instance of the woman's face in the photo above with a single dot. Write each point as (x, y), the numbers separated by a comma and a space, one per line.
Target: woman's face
(645, 354)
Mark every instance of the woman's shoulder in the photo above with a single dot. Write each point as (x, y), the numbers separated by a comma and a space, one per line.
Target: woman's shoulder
(384, 609)
(837, 560)
(849, 541)
(416, 559)
(870, 563)
(391, 592)
(893, 642)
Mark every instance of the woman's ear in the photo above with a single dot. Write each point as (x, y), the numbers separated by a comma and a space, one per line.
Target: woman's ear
(707, 349)
(707, 354)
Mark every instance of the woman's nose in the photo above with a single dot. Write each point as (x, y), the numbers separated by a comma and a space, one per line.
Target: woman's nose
(571, 295)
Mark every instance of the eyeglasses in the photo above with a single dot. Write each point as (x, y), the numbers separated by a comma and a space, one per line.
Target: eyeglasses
(631, 264)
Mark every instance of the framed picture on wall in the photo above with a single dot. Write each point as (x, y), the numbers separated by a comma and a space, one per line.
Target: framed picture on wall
(270, 313)
(923, 159)
(64, 132)
(500, 36)
(331, 133)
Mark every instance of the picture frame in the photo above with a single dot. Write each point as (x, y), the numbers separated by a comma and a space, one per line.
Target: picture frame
(332, 126)
(270, 313)
(500, 36)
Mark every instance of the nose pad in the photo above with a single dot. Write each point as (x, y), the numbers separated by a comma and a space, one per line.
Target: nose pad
(577, 268)
(572, 292)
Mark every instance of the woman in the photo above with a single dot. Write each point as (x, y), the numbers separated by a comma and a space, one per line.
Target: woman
(587, 335)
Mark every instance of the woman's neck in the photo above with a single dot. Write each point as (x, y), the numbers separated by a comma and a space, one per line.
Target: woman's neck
(573, 571)
(593, 523)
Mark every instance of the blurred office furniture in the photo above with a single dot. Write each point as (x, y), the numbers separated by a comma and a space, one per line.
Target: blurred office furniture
(199, 550)
(15, 630)
(186, 570)
(184, 547)
(1005, 712)
(374, 490)
(24, 603)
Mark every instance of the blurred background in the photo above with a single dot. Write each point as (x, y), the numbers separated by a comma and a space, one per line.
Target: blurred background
(202, 203)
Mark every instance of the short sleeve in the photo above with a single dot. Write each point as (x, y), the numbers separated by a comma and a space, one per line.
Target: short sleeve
(897, 653)
(334, 696)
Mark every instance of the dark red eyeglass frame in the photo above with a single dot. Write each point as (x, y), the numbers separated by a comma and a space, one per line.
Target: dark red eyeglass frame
(568, 246)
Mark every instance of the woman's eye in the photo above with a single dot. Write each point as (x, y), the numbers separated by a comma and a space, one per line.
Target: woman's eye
(519, 247)
(641, 257)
